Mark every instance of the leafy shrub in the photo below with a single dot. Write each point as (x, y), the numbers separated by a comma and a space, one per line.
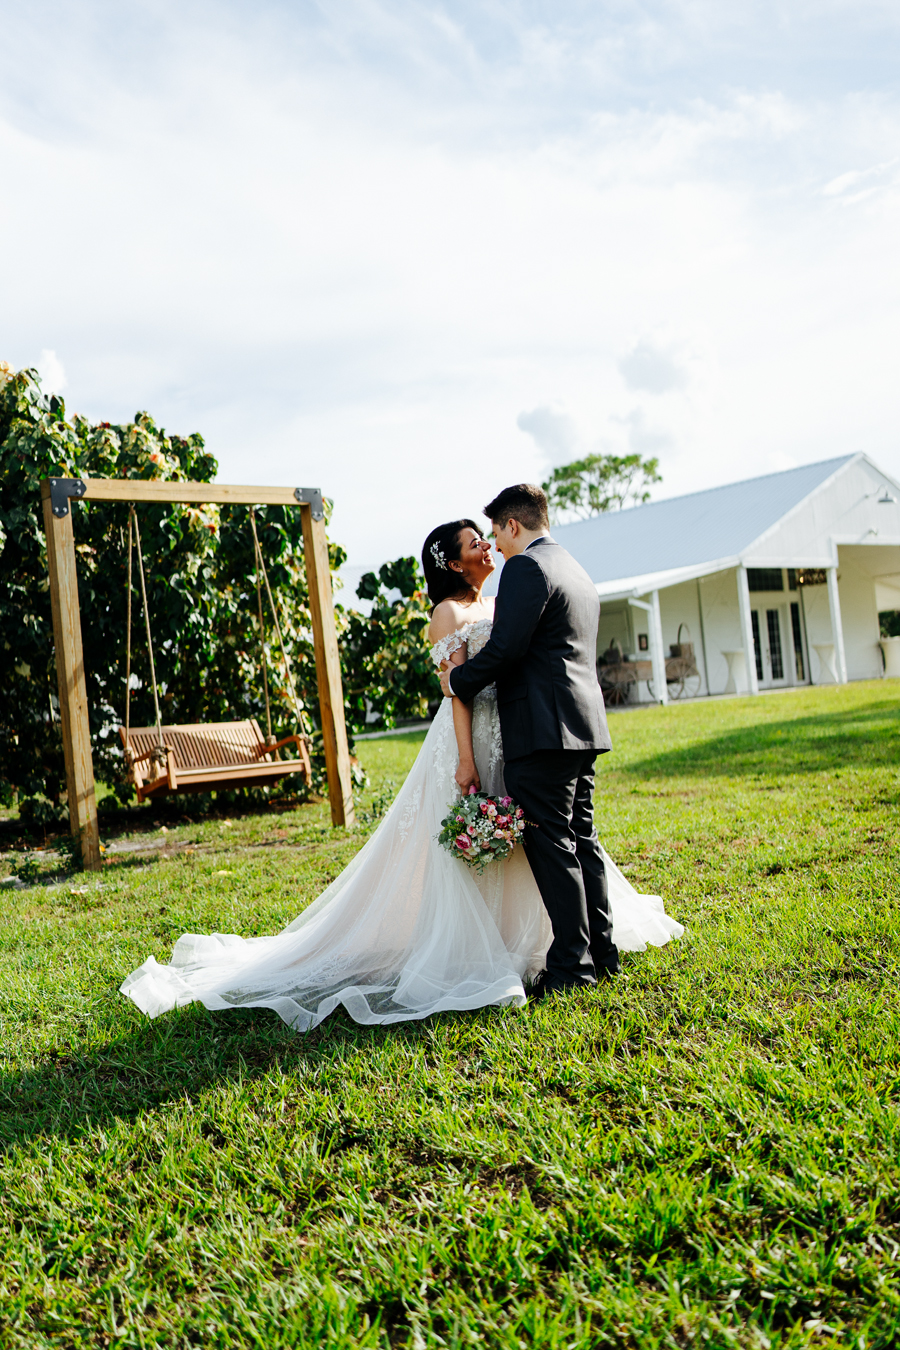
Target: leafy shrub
(387, 669)
(26, 868)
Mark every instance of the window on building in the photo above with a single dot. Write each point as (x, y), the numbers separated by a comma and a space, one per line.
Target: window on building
(765, 579)
(798, 641)
(776, 656)
(754, 619)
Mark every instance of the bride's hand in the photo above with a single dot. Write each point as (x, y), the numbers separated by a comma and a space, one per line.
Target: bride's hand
(466, 777)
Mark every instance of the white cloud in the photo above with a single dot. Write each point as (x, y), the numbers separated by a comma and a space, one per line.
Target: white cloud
(643, 437)
(654, 367)
(864, 182)
(552, 431)
(52, 372)
(351, 249)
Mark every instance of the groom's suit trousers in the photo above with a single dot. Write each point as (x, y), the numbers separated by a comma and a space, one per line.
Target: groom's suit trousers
(555, 788)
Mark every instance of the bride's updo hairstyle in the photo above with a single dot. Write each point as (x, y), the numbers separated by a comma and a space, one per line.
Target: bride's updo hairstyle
(441, 548)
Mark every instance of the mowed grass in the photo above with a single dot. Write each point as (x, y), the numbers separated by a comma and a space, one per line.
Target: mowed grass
(703, 1153)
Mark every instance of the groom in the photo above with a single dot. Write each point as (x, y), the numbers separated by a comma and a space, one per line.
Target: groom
(542, 655)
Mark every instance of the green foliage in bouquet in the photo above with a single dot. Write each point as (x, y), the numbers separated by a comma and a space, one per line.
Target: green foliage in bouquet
(201, 591)
(386, 666)
(480, 829)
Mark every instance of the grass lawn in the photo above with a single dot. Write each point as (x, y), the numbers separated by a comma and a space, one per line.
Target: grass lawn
(706, 1152)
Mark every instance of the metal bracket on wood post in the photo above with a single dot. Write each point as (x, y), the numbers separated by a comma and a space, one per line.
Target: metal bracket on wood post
(312, 497)
(61, 489)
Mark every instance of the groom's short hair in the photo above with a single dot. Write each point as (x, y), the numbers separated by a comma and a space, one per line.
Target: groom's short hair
(525, 502)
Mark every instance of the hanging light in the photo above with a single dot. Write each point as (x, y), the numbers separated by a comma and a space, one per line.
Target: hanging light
(886, 499)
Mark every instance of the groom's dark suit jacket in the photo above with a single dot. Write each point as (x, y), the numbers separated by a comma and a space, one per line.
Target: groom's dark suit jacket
(542, 654)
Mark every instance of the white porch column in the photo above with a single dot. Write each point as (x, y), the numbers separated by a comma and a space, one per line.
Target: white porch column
(657, 651)
(747, 629)
(837, 628)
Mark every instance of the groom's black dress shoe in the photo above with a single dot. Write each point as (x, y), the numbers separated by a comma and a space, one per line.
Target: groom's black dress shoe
(542, 988)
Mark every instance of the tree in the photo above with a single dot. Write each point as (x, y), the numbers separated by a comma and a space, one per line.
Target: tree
(598, 483)
(386, 666)
(201, 592)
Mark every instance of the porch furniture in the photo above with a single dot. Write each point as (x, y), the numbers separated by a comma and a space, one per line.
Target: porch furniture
(825, 652)
(736, 666)
(682, 675)
(202, 758)
(890, 647)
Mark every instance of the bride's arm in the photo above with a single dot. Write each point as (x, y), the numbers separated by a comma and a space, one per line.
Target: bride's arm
(446, 620)
(467, 772)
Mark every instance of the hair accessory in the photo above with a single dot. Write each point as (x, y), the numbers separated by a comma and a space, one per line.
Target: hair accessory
(438, 556)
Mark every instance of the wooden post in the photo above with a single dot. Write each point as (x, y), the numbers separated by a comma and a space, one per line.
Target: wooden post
(73, 705)
(328, 669)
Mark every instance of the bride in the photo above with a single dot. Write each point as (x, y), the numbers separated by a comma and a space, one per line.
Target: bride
(407, 930)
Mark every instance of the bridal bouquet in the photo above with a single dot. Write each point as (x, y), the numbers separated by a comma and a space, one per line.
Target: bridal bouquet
(482, 829)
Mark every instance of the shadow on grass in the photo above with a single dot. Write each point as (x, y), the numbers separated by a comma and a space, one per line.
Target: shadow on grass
(866, 736)
(147, 818)
(179, 1057)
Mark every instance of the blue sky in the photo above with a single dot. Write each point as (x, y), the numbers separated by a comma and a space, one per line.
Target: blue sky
(411, 252)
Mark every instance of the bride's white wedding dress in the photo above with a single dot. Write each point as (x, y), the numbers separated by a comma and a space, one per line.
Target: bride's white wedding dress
(406, 930)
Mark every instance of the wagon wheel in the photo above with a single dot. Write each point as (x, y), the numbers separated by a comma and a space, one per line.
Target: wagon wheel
(685, 686)
(616, 686)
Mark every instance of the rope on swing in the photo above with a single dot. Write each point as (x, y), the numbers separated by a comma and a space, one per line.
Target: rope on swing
(128, 644)
(270, 739)
(262, 578)
(159, 755)
(261, 570)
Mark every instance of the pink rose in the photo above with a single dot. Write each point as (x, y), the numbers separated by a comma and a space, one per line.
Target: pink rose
(506, 801)
(519, 813)
(463, 842)
(472, 790)
(471, 829)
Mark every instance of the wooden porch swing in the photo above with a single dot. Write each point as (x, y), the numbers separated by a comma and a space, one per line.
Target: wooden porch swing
(189, 758)
(212, 755)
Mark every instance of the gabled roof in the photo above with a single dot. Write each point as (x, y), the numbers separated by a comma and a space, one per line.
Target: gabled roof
(686, 532)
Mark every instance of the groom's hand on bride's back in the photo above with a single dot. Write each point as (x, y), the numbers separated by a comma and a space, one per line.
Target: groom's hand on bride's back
(444, 678)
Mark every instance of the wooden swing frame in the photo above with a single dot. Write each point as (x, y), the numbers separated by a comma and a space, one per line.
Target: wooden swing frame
(56, 495)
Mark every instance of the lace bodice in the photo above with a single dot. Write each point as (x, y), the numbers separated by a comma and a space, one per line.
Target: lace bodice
(474, 635)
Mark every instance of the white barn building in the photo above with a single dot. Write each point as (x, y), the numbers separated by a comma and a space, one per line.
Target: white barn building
(778, 579)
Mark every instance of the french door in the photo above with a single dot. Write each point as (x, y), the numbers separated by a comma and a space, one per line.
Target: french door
(772, 646)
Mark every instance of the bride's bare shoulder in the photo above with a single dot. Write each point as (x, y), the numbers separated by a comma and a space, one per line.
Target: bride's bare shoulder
(445, 619)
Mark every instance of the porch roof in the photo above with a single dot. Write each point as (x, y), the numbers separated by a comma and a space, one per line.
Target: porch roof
(661, 543)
